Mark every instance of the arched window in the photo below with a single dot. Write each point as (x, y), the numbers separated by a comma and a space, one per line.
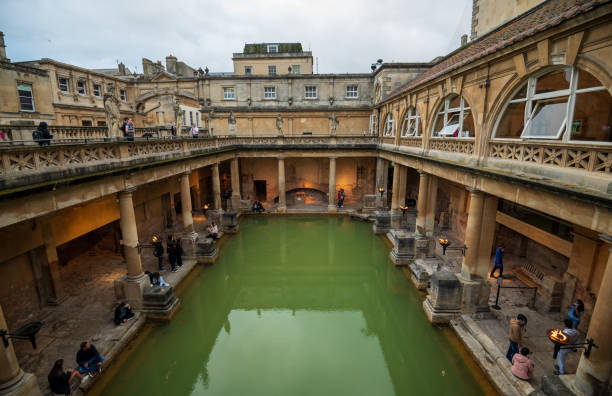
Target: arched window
(389, 127)
(411, 125)
(454, 119)
(541, 108)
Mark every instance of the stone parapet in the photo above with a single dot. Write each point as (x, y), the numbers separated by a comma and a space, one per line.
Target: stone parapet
(159, 302)
(382, 222)
(444, 300)
(403, 247)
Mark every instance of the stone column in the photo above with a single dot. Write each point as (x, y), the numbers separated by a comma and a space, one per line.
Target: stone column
(57, 289)
(594, 374)
(487, 236)
(186, 202)
(282, 200)
(331, 207)
(216, 187)
(401, 198)
(134, 282)
(381, 181)
(236, 196)
(196, 187)
(430, 211)
(13, 381)
(395, 191)
(422, 203)
(472, 236)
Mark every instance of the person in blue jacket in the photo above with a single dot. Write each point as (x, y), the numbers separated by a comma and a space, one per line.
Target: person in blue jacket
(499, 255)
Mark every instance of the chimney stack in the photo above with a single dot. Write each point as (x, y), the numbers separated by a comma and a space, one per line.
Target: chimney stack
(171, 64)
(2, 49)
(121, 69)
(464, 40)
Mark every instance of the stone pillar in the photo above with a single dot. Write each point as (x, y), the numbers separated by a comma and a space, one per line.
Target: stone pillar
(13, 381)
(134, 282)
(236, 196)
(331, 207)
(57, 290)
(401, 197)
(196, 186)
(216, 187)
(282, 200)
(395, 191)
(594, 374)
(430, 211)
(469, 267)
(422, 203)
(487, 236)
(186, 202)
(381, 181)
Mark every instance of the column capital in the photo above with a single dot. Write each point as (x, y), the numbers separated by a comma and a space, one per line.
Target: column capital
(186, 173)
(332, 157)
(280, 157)
(606, 239)
(421, 172)
(474, 190)
(128, 191)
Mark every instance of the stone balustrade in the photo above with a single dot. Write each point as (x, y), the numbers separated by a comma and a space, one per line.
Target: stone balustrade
(453, 145)
(592, 158)
(412, 141)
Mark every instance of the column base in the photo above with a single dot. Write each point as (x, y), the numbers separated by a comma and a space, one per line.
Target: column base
(282, 209)
(206, 251)
(382, 222)
(474, 295)
(444, 300)
(130, 289)
(188, 243)
(402, 253)
(332, 208)
(24, 384)
(419, 276)
(235, 202)
(229, 221)
(160, 303)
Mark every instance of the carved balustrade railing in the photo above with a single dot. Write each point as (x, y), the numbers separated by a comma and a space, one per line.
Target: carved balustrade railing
(412, 141)
(453, 145)
(592, 158)
(72, 153)
(388, 139)
(78, 132)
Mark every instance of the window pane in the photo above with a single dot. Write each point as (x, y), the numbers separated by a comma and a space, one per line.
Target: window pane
(454, 103)
(586, 80)
(24, 87)
(555, 81)
(512, 123)
(439, 125)
(592, 117)
(468, 125)
(548, 116)
(521, 94)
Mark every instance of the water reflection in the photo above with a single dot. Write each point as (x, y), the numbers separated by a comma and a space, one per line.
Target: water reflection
(297, 306)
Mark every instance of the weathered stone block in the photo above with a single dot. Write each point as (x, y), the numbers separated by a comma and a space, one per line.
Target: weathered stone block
(444, 300)
(475, 295)
(419, 276)
(206, 251)
(369, 203)
(229, 221)
(188, 243)
(403, 247)
(159, 302)
(382, 222)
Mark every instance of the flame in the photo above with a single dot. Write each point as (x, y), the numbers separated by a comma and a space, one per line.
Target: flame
(154, 239)
(557, 336)
(443, 241)
(205, 206)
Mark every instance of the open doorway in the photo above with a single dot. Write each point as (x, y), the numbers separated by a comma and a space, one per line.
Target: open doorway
(261, 192)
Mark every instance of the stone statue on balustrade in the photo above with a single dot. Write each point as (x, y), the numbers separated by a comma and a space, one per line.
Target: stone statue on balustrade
(333, 124)
(210, 120)
(279, 124)
(231, 121)
(179, 115)
(111, 108)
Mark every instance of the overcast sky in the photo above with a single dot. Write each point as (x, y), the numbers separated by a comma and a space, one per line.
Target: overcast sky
(346, 36)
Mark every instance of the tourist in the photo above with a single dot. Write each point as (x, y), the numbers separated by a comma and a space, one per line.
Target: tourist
(42, 134)
(341, 197)
(89, 359)
(213, 231)
(173, 129)
(159, 280)
(194, 131)
(179, 252)
(575, 312)
(517, 327)
(260, 208)
(158, 251)
(171, 249)
(499, 254)
(124, 126)
(522, 366)
(59, 380)
(572, 337)
(123, 313)
(129, 130)
(150, 275)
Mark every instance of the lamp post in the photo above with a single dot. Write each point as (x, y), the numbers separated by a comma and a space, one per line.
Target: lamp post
(381, 190)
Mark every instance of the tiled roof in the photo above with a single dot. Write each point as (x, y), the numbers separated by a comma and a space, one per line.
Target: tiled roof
(543, 17)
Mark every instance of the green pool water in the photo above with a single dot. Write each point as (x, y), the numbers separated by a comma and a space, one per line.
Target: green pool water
(297, 306)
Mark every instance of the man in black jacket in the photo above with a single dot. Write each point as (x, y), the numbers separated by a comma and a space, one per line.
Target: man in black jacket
(89, 359)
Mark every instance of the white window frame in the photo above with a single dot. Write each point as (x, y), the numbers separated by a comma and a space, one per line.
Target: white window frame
(84, 86)
(99, 93)
(270, 73)
(349, 91)
(229, 93)
(564, 132)
(310, 95)
(373, 124)
(66, 85)
(272, 48)
(248, 70)
(123, 95)
(31, 98)
(389, 125)
(295, 69)
(411, 119)
(446, 110)
(269, 93)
